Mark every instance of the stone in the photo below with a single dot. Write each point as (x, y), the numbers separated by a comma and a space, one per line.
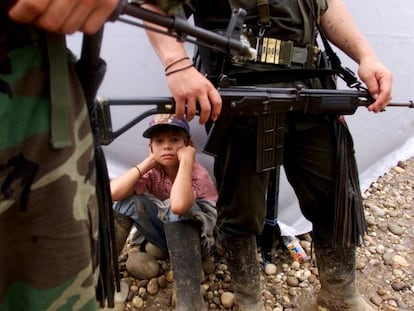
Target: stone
(142, 265)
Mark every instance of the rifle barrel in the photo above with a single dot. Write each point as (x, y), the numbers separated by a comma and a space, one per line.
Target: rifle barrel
(410, 104)
(182, 28)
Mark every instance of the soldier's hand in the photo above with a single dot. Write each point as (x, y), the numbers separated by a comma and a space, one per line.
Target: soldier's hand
(378, 80)
(63, 16)
(189, 88)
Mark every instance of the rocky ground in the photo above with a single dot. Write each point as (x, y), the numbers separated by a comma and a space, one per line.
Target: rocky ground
(385, 269)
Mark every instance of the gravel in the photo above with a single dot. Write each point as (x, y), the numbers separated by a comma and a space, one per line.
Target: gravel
(385, 270)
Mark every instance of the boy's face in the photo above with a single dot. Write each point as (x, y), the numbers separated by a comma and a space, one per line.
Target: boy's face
(164, 145)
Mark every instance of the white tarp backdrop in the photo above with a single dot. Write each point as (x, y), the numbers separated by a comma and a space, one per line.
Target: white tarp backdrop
(380, 139)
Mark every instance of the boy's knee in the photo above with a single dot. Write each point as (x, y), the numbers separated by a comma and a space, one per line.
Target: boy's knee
(129, 206)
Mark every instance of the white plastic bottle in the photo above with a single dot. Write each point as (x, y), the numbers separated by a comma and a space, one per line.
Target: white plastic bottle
(296, 250)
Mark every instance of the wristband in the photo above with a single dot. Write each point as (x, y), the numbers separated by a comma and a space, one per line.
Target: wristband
(175, 62)
(139, 171)
(179, 69)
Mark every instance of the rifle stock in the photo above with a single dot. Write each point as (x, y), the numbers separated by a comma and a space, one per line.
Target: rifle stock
(268, 105)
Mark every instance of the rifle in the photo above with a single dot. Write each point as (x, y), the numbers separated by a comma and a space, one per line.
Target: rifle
(268, 105)
(180, 28)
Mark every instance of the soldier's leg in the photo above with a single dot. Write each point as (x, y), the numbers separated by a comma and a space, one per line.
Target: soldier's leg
(311, 167)
(241, 211)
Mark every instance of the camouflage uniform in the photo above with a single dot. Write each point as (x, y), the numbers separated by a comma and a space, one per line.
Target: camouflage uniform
(48, 210)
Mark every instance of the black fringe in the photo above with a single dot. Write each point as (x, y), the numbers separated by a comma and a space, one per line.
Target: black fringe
(349, 223)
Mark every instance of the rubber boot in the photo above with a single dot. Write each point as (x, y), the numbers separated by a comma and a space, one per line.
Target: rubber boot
(336, 268)
(241, 255)
(183, 241)
(123, 225)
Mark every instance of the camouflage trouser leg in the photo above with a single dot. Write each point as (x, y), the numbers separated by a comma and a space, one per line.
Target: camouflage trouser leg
(48, 211)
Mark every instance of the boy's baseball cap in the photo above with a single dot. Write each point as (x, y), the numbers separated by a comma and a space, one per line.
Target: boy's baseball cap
(166, 120)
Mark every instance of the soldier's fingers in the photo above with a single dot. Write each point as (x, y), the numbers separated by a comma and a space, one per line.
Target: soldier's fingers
(99, 15)
(76, 20)
(27, 11)
(190, 108)
(215, 103)
(205, 109)
(179, 107)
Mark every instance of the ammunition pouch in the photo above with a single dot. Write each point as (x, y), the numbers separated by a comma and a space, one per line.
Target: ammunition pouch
(284, 53)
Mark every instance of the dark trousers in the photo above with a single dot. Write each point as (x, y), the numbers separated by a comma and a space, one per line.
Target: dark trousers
(309, 161)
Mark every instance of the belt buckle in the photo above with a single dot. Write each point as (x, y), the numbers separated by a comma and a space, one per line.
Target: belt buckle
(275, 51)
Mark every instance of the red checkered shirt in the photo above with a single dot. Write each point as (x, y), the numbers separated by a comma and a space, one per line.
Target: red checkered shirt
(159, 184)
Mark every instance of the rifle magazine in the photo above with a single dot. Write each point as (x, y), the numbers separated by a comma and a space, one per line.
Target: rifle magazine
(269, 147)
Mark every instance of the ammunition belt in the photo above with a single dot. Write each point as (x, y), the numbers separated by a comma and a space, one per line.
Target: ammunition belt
(284, 53)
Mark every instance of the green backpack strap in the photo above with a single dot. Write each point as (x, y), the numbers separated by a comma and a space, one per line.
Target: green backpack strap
(59, 91)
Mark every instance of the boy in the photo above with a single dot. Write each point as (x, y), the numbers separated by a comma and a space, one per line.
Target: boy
(169, 195)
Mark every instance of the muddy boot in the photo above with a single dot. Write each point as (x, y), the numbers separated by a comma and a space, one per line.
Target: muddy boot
(123, 225)
(183, 241)
(336, 268)
(241, 255)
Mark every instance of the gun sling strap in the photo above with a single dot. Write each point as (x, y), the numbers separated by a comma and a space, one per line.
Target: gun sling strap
(59, 91)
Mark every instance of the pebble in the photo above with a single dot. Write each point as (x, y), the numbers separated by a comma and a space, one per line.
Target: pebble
(400, 261)
(270, 269)
(227, 299)
(396, 229)
(142, 265)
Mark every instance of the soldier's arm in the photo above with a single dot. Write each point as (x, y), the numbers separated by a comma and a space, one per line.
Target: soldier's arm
(187, 85)
(342, 31)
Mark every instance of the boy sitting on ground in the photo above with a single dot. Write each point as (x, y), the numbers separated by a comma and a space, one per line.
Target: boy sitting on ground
(171, 198)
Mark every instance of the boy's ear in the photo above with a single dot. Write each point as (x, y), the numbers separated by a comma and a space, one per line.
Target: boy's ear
(190, 142)
(150, 147)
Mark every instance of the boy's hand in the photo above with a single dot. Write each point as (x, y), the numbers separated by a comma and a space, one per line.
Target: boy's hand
(151, 162)
(186, 153)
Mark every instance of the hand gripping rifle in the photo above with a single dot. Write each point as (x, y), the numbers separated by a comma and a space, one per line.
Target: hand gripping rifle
(268, 105)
